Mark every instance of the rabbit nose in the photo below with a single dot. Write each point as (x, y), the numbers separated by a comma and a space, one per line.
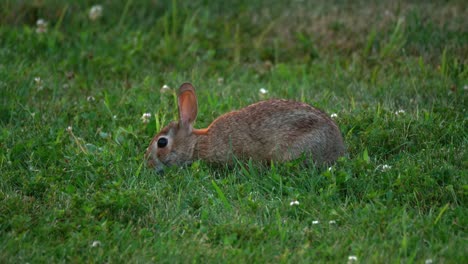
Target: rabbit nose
(159, 171)
(155, 163)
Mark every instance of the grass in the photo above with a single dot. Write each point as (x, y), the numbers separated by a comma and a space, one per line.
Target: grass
(84, 194)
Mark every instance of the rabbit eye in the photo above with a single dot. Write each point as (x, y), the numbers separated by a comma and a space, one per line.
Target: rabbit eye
(162, 142)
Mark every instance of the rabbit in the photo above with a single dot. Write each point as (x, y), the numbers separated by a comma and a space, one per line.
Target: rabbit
(274, 130)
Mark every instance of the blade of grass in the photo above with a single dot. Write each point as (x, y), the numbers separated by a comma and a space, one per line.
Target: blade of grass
(124, 13)
(441, 212)
(221, 195)
(62, 15)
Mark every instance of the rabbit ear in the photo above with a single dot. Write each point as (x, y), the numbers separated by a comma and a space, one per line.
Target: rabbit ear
(187, 105)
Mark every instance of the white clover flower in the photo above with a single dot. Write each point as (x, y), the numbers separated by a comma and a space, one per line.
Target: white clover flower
(330, 168)
(263, 92)
(41, 26)
(146, 117)
(114, 117)
(465, 87)
(39, 83)
(41, 22)
(334, 115)
(293, 203)
(69, 129)
(315, 222)
(352, 259)
(90, 98)
(95, 12)
(32, 168)
(332, 222)
(96, 243)
(165, 89)
(401, 111)
(220, 80)
(428, 261)
(385, 167)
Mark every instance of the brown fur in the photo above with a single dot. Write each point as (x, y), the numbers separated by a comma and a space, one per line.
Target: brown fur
(277, 129)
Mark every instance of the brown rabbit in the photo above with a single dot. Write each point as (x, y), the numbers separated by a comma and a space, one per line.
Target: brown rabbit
(278, 130)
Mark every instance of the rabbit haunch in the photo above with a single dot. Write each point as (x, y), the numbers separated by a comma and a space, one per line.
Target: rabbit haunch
(278, 130)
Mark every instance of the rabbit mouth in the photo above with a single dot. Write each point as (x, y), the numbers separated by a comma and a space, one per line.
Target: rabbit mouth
(159, 170)
(154, 163)
(157, 165)
(172, 159)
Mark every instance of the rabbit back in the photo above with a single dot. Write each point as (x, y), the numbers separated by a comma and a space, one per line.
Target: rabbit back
(278, 130)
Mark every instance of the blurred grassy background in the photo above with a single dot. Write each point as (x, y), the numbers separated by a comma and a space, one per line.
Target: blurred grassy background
(394, 72)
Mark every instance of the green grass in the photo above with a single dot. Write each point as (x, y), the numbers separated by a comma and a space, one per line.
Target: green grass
(85, 195)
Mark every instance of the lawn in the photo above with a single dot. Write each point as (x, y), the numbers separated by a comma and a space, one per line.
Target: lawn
(75, 84)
